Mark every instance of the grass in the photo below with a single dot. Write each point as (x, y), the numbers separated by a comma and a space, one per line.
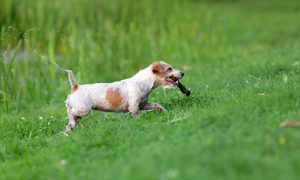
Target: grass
(240, 58)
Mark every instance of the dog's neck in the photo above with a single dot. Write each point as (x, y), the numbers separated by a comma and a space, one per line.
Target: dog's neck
(146, 77)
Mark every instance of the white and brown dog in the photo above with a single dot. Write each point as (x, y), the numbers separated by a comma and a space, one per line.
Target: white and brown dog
(128, 95)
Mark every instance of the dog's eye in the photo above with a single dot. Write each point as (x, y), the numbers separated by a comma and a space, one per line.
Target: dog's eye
(169, 69)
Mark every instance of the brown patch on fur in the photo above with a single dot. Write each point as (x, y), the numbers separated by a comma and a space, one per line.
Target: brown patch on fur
(74, 89)
(114, 97)
(160, 70)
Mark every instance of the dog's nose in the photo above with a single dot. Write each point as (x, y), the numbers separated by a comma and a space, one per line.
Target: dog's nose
(182, 74)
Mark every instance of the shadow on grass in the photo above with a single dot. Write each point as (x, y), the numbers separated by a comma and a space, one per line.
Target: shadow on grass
(198, 100)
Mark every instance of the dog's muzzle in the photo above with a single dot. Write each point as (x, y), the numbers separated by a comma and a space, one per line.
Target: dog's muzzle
(173, 79)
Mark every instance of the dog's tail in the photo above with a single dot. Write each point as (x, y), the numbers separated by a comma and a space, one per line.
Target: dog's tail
(71, 79)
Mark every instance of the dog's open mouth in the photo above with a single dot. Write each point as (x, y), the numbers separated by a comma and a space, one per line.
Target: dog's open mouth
(172, 79)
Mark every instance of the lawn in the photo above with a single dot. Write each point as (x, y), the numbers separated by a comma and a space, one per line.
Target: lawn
(241, 63)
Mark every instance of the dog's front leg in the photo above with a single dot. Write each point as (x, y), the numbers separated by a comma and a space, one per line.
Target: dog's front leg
(149, 106)
(134, 109)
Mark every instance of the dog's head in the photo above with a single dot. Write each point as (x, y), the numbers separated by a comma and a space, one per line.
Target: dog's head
(165, 74)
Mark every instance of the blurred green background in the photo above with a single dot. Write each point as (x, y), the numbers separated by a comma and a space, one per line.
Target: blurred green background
(111, 40)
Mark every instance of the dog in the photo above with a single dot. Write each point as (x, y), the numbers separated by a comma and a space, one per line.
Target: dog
(128, 95)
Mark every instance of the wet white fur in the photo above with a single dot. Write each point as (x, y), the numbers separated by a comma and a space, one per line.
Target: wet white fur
(134, 92)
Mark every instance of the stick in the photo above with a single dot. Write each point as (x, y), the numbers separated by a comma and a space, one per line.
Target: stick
(183, 89)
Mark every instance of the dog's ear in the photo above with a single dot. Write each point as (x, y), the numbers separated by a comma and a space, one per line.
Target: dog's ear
(157, 68)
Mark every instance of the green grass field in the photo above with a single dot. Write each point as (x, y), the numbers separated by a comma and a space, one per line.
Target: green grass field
(241, 61)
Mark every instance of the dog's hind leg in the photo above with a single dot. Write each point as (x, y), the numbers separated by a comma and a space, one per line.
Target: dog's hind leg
(73, 121)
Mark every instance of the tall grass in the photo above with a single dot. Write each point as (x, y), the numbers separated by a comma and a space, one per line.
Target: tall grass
(94, 39)
(98, 40)
(107, 41)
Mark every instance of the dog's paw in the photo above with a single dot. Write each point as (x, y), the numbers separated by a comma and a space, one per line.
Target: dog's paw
(69, 128)
(159, 108)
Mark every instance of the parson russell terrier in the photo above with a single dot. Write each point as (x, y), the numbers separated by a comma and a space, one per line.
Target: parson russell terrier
(128, 95)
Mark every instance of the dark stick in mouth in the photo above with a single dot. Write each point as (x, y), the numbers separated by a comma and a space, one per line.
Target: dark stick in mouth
(183, 89)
